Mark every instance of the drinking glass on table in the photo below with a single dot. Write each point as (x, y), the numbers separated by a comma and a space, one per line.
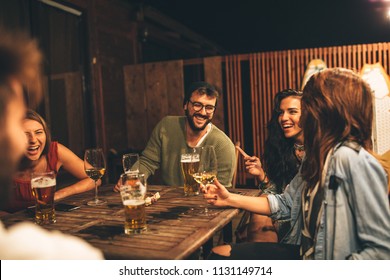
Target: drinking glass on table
(208, 168)
(133, 191)
(95, 167)
(43, 186)
(130, 163)
(189, 161)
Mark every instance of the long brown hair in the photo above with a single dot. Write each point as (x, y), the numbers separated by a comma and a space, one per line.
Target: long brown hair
(336, 106)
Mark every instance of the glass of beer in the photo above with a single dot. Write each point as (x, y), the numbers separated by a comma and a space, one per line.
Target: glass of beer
(133, 191)
(189, 161)
(43, 186)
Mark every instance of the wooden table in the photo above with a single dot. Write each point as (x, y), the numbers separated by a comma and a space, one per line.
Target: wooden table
(174, 230)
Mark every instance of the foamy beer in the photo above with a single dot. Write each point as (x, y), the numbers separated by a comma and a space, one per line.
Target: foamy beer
(189, 165)
(43, 188)
(133, 191)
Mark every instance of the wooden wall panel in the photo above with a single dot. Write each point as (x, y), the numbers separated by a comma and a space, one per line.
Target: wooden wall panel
(152, 91)
(234, 103)
(175, 87)
(135, 106)
(72, 99)
(156, 94)
(213, 74)
(113, 44)
(74, 104)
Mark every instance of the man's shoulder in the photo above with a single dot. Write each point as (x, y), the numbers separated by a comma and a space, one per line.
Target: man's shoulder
(169, 122)
(218, 132)
(171, 119)
(219, 136)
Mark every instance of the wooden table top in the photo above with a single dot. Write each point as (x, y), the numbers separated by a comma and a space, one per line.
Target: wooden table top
(174, 230)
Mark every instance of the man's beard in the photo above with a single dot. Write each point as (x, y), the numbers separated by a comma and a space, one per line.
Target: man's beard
(7, 169)
(192, 124)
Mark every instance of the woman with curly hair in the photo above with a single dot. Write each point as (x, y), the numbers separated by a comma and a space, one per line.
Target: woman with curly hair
(283, 155)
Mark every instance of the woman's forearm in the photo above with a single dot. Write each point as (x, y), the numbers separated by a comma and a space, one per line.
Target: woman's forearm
(258, 204)
(79, 187)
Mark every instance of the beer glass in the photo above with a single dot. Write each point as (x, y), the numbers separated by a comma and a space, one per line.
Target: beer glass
(133, 191)
(43, 186)
(130, 162)
(189, 161)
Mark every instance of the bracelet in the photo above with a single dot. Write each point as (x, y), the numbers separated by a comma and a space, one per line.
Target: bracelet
(265, 178)
(262, 186)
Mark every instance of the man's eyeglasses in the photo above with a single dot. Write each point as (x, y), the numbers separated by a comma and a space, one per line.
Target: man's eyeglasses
(199, 106)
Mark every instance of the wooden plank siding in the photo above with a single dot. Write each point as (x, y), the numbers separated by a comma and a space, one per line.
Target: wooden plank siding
(213, 74)
(268, 73)
(135, 104)
(152, 91)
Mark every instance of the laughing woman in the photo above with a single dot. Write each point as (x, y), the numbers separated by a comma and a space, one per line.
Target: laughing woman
(44, 155)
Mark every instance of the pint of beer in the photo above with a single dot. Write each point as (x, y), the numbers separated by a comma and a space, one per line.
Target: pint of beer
(133, 191)
(189, 165)
(43, 188)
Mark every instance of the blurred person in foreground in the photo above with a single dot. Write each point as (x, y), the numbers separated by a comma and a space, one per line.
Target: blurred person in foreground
(20, 77)
(44, 155)
(338, 202)
(174, 133)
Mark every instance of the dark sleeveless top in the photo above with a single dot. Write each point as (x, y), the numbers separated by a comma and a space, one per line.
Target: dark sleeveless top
(21, 195)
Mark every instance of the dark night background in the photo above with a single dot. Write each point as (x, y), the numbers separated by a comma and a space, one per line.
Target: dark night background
(245, 26)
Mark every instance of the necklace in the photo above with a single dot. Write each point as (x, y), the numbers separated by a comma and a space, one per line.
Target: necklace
(299, 147)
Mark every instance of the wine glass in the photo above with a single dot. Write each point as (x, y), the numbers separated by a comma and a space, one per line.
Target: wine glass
(208, 167)
(95, 167)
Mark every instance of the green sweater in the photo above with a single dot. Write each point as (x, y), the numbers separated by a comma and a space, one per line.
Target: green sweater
(164, 148)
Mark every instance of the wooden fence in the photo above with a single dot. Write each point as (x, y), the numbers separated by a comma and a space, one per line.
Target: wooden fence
(250, 81)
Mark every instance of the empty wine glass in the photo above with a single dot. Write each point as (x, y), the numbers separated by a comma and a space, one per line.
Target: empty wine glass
(95, 167)
(130, 163)
(208, 168)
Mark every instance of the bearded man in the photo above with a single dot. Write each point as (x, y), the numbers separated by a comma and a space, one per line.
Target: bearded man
(174, 133)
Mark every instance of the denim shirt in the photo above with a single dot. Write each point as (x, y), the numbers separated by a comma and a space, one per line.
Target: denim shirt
(355, 222)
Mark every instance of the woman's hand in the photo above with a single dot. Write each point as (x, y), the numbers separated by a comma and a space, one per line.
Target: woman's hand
(216, 194)
(253, 166)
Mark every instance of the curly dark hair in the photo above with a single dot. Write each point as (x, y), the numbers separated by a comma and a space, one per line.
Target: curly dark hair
(280, 162)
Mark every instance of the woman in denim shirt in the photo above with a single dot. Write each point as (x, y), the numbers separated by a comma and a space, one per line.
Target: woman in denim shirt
(338, 202)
